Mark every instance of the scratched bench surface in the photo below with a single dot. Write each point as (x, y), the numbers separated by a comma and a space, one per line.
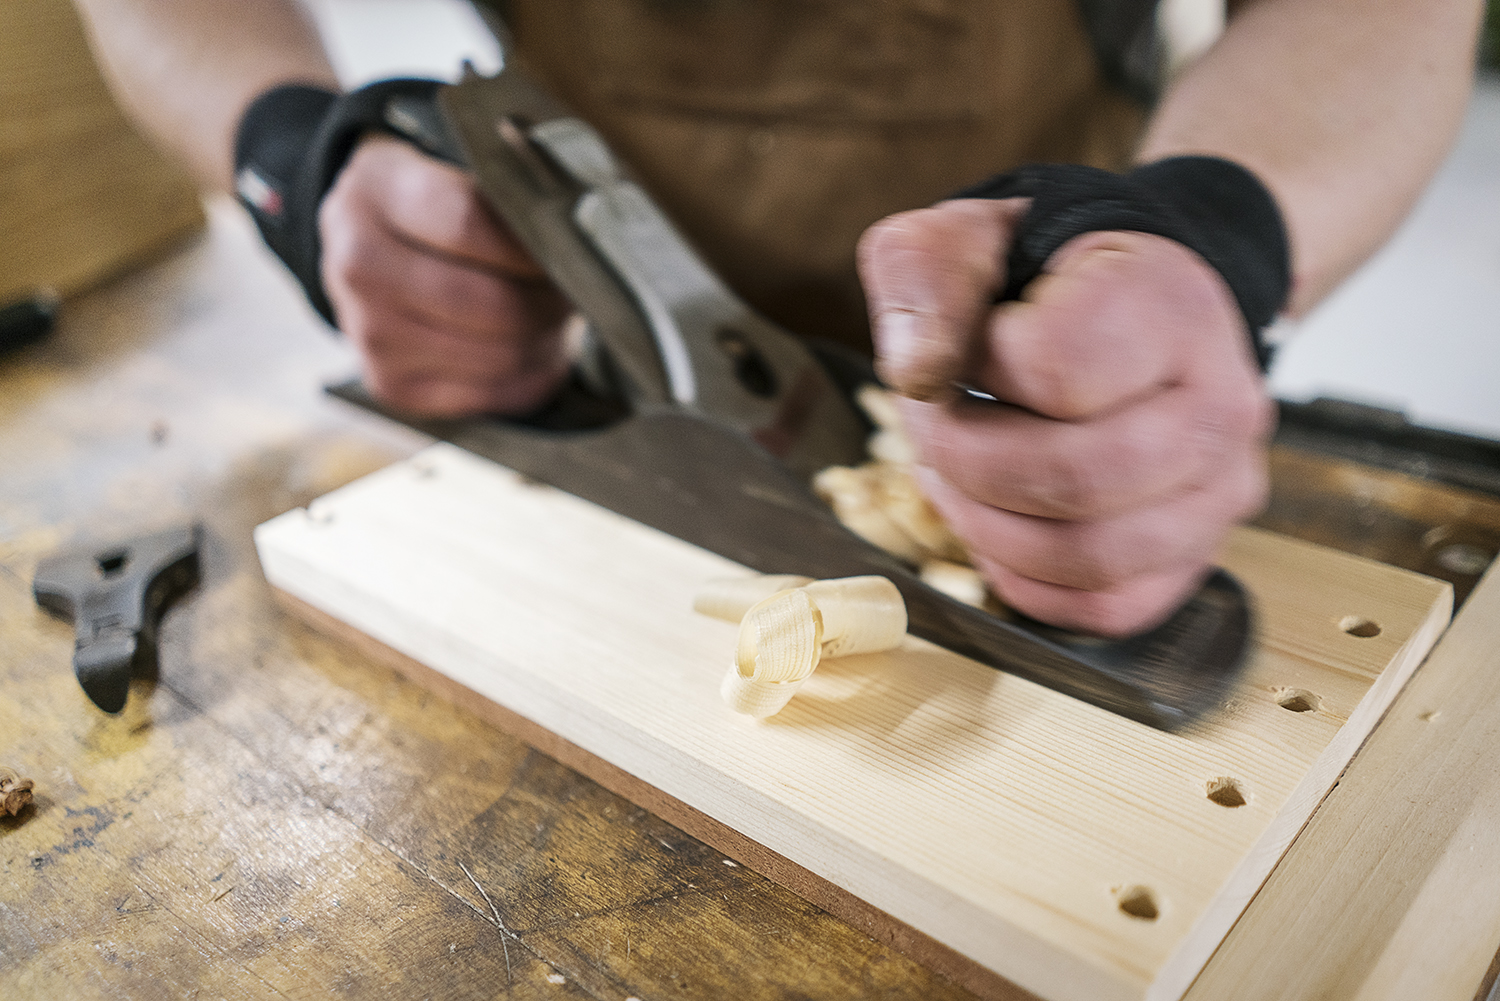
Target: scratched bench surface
(277, 815)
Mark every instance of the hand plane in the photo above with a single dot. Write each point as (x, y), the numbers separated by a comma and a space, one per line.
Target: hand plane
(714, 419)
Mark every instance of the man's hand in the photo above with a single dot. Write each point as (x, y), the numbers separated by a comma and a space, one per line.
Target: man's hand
(449, 313)
(1130, 430)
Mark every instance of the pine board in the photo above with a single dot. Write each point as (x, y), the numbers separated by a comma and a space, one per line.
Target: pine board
(1392, 892)
(995, 818)
(82, 194)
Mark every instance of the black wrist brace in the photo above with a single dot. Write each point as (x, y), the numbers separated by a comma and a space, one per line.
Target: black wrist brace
(293, 141)
(1213, 207)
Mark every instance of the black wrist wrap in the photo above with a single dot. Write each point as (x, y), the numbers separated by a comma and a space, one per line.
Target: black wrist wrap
(1213, 207)
(293, 141)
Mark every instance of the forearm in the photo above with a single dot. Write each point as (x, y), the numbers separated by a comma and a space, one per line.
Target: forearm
(187, 69)
(1342, 107)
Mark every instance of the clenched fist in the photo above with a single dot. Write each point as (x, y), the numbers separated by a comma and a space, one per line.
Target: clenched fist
(1129, 421)
(449, 314)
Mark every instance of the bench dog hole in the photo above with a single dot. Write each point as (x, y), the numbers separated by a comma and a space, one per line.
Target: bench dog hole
(1226, 791)
(1298, 700)
(1138, 902)
(1354, 625)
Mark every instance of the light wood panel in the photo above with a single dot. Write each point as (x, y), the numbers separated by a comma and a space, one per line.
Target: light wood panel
(1000, 819)
(82, 195)
(1393, 890)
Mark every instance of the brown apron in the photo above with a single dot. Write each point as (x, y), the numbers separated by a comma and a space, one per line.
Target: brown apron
(775, 131)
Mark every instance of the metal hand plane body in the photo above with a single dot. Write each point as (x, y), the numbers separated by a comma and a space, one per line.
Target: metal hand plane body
(725, 417)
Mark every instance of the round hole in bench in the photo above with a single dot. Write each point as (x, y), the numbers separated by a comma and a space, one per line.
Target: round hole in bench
(1226, 791)
(1297, 700)
(1138, 902)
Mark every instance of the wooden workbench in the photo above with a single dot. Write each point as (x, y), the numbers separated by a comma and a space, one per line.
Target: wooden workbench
(277, 815)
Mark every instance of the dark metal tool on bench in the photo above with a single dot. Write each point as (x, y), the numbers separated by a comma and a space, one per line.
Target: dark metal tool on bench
(726, 417)
(115, 596)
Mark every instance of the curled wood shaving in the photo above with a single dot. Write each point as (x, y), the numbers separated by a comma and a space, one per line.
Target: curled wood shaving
(854, 494)
(882, 502)
(889, 443)
(729, 599)
(788, 624)
(903, 501)
(880, 406)
(785, 635)
(781, 642)
(892, 447)
(15, 791)
(860, 615)
(957, 581)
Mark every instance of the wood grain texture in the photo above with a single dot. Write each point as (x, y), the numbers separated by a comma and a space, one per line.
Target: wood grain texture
(339, 805)
(1393, 890)
(266, 756)
(1002, 820)
(82, 194)
(805, 883)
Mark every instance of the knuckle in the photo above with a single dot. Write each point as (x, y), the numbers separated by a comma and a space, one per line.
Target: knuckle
(383, 340)
(1117, 614)
(423, 397)
(888, 234)
(1233, 422)
(1249, 410)
(431, 182)
(360, 189)
(1104, 564)
(336, 204)
(451, 212)
(1046, 358)
(393, 389)
(350, 254)
(1070, 487)
(356, 322)
(379, 341)
(1261, 413)
(486, 300)
(1253, 493)
(335, 229)
(473, 220)
(949, 230)
(342, 270)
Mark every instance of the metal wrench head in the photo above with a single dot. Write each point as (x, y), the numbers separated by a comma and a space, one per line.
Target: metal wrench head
(115, 595)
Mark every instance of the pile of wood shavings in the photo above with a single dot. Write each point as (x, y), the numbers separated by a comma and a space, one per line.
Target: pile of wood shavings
(881, 502)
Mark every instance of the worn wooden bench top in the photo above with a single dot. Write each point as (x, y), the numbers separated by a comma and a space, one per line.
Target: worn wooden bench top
(279, 815)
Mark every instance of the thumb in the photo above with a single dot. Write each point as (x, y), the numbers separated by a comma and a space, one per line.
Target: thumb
(930, 277)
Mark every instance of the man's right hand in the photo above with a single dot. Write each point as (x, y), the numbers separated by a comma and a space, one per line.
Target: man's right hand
(449, 313)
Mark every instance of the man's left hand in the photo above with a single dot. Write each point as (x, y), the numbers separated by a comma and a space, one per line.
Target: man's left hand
(1130, 424)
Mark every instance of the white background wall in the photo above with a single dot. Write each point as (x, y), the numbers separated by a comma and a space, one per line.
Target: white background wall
(1419, 326)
